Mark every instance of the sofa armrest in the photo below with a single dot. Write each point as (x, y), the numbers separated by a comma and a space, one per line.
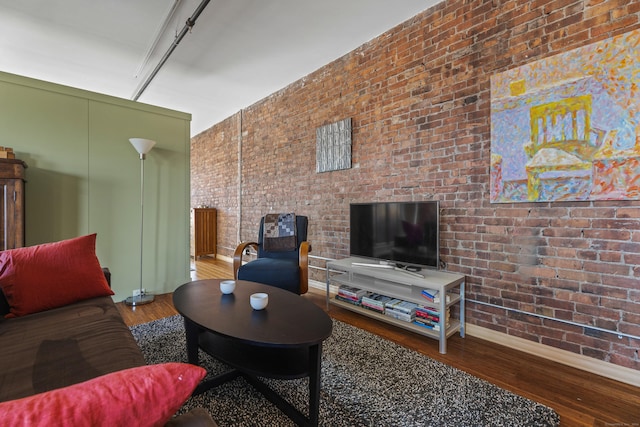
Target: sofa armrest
(4, 305)
(107, 275)
(197, 417)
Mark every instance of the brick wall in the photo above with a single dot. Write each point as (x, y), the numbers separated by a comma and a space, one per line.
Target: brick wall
(214, 178)
(419, 99)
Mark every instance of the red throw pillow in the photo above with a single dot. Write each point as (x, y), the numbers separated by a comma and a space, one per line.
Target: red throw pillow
(51, 275)
(144, 396)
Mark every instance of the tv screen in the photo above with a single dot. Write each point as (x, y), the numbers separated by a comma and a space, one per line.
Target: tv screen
(405, 233)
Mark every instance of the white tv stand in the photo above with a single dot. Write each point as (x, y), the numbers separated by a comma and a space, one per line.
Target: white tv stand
(369, 275)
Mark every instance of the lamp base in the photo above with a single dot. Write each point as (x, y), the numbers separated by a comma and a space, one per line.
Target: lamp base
(139, 299)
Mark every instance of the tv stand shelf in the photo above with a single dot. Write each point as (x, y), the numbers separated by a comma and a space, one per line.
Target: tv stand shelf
(403, 285)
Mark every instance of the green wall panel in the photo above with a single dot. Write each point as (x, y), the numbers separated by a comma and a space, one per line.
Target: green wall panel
(48, 131)
(114, 170)
(83, 177)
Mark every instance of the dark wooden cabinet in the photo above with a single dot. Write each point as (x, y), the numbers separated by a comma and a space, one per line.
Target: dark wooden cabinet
(12, 203)
(203, 232)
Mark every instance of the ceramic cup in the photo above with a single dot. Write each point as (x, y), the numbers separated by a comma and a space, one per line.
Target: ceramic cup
(259, 300)
(227, 286)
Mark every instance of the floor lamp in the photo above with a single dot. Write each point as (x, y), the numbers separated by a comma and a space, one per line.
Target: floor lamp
(142, 146)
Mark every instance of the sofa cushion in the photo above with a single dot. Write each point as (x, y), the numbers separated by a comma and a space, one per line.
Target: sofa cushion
(64, 346)
(143, 396)
(197, 417)
(51, 275)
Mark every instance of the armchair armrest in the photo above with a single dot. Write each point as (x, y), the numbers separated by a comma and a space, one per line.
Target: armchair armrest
(237, 256)
(303, 262)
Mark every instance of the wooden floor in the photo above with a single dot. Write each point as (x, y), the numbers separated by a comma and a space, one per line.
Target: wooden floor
(580, 398)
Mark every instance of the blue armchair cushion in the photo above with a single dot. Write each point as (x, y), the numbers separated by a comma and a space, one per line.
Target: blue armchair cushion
(282, 273)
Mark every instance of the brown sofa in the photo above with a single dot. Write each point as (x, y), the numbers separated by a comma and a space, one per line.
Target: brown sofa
(63, 346)
(68, 345)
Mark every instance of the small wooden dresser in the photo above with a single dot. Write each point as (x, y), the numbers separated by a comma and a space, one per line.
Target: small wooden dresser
(203, 232)
(12, 199)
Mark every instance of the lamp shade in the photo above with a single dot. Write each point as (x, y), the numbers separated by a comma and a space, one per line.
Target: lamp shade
(142, 146)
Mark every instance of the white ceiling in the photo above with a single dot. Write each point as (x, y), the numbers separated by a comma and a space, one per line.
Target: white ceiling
(238, 52)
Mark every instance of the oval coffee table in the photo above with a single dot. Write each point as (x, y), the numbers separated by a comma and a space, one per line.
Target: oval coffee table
(282, 341)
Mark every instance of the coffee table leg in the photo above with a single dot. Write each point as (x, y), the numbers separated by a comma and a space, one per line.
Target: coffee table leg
(191, 330)
(315, 364)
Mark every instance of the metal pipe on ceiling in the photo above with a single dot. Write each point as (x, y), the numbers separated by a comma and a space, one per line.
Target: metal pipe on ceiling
(191, 22)
(159, 32)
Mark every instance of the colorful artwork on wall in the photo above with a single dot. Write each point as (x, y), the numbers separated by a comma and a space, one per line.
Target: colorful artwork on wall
(567, 127)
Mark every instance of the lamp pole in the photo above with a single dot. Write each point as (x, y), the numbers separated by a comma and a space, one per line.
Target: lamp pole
(142, 146)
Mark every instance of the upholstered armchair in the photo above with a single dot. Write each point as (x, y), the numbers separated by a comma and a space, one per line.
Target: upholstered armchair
(286, 269)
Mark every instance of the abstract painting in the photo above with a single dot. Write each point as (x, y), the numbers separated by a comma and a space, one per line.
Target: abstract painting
(333, 146)
(567, 127)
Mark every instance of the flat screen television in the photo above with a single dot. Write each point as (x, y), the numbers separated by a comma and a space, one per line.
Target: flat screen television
(404, 233)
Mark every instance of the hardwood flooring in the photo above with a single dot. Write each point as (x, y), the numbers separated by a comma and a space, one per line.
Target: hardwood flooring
(580, 398)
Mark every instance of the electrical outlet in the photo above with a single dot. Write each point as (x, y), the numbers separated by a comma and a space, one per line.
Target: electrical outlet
(246, 251)
(137, 293)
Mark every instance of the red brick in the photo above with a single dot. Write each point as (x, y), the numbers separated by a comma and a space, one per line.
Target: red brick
(419, 99)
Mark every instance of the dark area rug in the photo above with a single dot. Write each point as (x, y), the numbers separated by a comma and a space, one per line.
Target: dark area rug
(366, 381)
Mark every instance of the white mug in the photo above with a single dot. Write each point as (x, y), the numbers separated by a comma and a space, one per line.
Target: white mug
(227, 286)
(259, 301)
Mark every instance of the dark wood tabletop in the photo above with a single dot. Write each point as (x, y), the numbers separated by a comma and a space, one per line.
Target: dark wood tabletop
(283, 341)
(289, 320)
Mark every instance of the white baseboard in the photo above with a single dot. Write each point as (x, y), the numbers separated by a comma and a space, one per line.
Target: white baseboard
(224, 258)
(598, 367)
(322, 286)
